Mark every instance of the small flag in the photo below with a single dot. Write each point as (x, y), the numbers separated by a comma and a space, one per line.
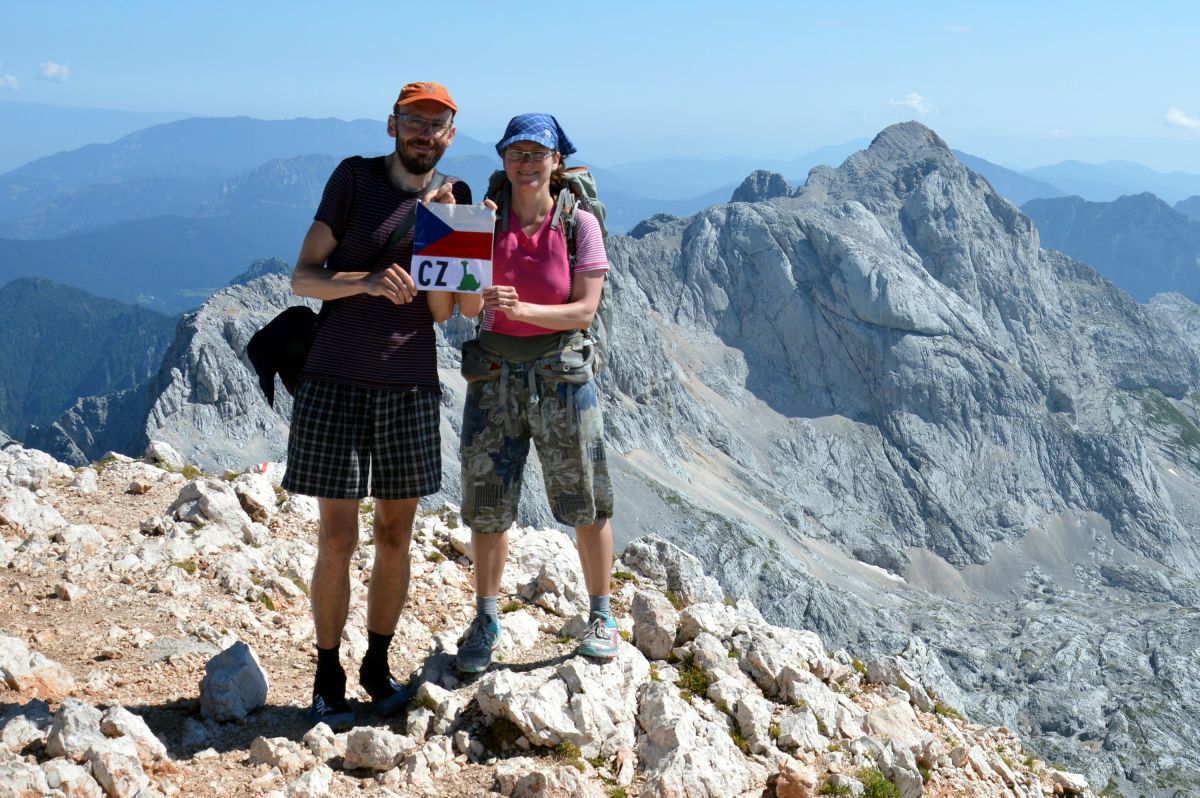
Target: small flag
(452, 247)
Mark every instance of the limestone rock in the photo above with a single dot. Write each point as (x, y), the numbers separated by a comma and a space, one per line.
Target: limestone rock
(673, 568)
(21, 509)
(118, 721)
(523, 777)
(116, 767)
(209, 501)
(375, 749)
(761, 185)
(257, 496)
(683, 754)
(163, 454)
(588, 705)
(234, 684)
(32, 673)
(655, 622)
(22, 779)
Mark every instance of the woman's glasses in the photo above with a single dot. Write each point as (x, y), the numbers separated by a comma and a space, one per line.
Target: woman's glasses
(536, 156)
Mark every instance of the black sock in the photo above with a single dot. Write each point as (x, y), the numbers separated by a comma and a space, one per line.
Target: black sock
(375, 662)
(330, 682)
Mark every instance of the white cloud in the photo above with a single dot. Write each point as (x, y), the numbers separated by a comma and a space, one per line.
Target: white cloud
(957, 28)
(1060, 133)
(9, 82)
(915, 103)
(53, 71)
(1177, 118)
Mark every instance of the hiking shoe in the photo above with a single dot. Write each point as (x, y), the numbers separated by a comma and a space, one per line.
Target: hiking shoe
(335, 713)
(387, 696)
(600, 639)
(480, 640)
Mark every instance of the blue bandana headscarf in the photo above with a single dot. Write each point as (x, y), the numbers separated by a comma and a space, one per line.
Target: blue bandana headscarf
(539, 128)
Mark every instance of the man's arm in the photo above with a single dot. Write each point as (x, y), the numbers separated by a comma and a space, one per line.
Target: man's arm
(310, 277)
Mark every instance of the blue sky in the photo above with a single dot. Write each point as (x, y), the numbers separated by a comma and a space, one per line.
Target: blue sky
(1021, 83)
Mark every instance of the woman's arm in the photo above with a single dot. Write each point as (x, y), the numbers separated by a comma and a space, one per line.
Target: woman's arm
(574, 315)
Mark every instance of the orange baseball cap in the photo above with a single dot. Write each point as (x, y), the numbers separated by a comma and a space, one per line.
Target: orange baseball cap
(415, 92)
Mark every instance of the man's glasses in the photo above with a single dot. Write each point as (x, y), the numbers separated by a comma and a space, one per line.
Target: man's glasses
(417, 124)
(517, 156)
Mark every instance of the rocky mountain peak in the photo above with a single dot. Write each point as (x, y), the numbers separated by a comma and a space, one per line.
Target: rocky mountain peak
(161, 646)
(761, 185)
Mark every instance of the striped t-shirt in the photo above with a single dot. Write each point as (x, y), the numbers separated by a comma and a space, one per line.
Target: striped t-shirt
(367, 340)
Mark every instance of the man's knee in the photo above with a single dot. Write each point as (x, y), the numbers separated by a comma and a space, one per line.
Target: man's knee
(338, 535)
(393, 521)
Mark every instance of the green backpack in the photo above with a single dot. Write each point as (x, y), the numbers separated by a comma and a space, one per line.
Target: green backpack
(579, 190)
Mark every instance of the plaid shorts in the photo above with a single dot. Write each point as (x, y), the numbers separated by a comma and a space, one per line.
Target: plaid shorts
(348, 442)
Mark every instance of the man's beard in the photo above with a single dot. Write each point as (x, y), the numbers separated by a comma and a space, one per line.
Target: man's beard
(419, 164)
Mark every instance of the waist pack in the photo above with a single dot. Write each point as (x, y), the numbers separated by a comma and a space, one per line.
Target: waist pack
(573, 364)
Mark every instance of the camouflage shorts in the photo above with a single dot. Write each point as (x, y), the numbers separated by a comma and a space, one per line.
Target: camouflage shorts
(563, 420)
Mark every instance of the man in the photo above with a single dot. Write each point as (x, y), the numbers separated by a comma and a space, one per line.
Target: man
(366, 413)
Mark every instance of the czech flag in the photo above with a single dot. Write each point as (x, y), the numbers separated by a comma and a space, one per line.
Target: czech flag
(452, 247)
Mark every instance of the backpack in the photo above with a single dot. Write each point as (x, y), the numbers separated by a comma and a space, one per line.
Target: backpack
(579, 190)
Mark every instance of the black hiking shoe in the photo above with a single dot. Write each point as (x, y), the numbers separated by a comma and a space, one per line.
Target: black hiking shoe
(388, 696)
(335, 712)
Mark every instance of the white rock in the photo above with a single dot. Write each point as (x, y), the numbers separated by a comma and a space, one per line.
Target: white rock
(22, 779)
(21, 509)
(798, 731)
(24, 724)
(681, 754)
(278, 752)
(520, 631)
(524, 777)
(73, 781)
(210, 501)
(118, 721)
(116, 766)
(68, 591)
(234, 684)
(304, 507)
(1071, 783)
(257, 496)
(313, 784)
(897, 722)
(164, 454)
(771, 649)
(447, 706)
(86, 481)
(590, 705)
(375, 749)
(322, 742)
(673, 568)
(655, 623)
(75, 728)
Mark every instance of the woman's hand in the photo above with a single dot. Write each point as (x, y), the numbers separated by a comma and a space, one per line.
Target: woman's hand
(503, 298)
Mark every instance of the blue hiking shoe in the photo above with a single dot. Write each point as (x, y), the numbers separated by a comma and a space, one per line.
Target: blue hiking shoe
(600, 639)
(477, 645)
(333, 712)
(388, 696)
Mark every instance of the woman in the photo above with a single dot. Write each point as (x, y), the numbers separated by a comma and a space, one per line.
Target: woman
(533, 318)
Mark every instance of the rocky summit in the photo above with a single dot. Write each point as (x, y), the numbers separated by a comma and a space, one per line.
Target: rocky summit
(877, 409)
(156, 641)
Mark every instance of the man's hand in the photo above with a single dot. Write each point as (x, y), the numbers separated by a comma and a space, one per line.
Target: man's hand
(444, 193)
(392, 283)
